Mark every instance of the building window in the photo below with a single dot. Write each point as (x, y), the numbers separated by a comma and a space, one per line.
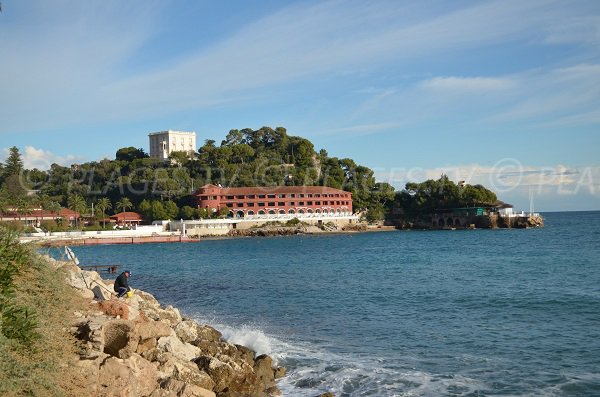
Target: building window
(271, 204)
(239, 205)
(293, 203)
(293, 195)
(249, 204)
(309, 203)
(241, 197)
(301, 203)
(281, 195)
(281, 204)
(261, 204)
(270, 196)
(230, 205)
(318, 203)
(309, 195)
(301, 195)
(261, 196)
(229, 197)
(251, 196)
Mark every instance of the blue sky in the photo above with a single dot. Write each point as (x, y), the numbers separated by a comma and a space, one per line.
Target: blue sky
(503, 93)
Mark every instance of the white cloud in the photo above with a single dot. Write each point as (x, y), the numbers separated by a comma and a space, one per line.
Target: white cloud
(43, 159)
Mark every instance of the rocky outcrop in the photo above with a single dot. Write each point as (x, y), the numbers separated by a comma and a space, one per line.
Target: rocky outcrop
(135, 347)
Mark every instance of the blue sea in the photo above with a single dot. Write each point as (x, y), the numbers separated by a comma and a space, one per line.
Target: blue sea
(404, 313)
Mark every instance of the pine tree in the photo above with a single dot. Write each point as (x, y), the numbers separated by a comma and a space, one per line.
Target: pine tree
(14, 163)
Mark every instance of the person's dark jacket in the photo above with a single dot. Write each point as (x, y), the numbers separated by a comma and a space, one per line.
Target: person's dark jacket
(121, 281)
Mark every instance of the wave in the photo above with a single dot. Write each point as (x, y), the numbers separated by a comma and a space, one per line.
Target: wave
(313, 370)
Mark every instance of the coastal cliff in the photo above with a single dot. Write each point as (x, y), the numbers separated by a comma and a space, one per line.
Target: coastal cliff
(136, 347)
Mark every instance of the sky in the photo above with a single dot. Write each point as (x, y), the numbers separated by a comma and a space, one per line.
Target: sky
(503, 93)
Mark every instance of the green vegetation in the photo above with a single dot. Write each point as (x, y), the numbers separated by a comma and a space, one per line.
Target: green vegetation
(418, 199)
(263, 157)
(35, 305)
(163, 190)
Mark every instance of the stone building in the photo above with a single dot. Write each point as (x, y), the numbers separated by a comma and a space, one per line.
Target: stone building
(163, 143)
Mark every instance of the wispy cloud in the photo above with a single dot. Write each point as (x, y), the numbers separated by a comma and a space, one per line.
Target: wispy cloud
(468, 84)
(73, 68)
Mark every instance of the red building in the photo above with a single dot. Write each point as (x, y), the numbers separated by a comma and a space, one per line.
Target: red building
(276, 200)
(127, 218)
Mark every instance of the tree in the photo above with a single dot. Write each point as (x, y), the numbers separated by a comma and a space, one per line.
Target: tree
(187, 212)
(171, 210)
(124, 204)
(77, 204)
(130, 153)
(14, 163)
(103, 205)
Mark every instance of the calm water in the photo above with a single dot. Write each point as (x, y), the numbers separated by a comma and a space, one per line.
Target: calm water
(439, 313)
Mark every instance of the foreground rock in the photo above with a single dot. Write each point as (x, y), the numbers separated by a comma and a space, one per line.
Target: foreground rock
(135, 347)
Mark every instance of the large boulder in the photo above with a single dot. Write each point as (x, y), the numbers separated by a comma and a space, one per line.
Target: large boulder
(134, 377)
(187, 372)
(173, 345)
(120, 338)
(153, 329)
(232, 379)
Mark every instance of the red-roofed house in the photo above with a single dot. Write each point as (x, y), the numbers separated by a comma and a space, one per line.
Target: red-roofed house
(127, 218)
(276, 200)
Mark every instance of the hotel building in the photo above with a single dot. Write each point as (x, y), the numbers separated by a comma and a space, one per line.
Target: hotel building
(163, 143)
(258, 202)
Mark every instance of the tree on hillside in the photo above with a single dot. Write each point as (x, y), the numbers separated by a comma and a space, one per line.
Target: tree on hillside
(124, 204)
(102, 206)
(14, 163)
(77, 203)
(130, 153)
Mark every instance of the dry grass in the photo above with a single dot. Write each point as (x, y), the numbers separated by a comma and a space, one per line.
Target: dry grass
(47, 367)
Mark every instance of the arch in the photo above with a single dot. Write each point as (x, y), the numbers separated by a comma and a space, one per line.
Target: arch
(230, 214)
(281, 212)
(271, 212)
(318, 211)
(338, 211)
(457, 222)
(309, 211)
(332, 211)
(291, 211)
(449, 222)
(239, 214)
(261, 212)
(301, 211)
(250, 213)
(441, 222)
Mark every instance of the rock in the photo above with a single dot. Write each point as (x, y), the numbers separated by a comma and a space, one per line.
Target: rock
(327, 394)
(134, 377)
(171, 314)
(89, 331)
(187, 372)
(173, 345)
(279, 372)
(232, 379)
(208, 333)
(263, 367)
(146, 345)
(120, 338)
(181, 389)
(153, 329)
(186, 331)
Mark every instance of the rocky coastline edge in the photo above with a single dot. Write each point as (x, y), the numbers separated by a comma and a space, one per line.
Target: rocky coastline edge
(137, 347)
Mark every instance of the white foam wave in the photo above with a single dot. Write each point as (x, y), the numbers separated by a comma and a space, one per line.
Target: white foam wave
(312, 371)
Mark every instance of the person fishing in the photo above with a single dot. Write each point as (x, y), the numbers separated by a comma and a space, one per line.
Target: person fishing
(122, 284)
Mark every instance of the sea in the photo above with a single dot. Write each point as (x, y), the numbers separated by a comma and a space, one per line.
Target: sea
(505, 312)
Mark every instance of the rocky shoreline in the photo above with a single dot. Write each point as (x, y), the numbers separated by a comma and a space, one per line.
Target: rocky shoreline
(136, 347)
